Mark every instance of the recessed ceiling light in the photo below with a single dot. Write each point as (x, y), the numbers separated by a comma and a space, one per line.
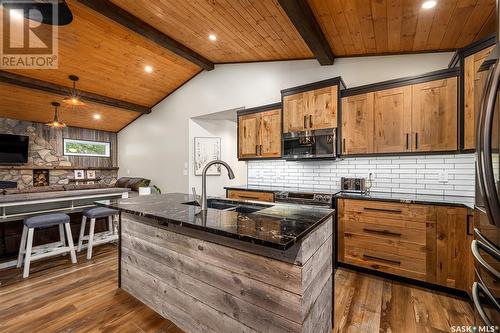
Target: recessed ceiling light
(97, 116)
(148, 69)
(429, 4)
(212, 37)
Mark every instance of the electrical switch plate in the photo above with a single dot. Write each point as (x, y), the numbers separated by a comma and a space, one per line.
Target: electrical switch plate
(443, 177)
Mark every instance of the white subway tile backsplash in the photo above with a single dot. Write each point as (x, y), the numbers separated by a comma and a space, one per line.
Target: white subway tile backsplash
(403, 174)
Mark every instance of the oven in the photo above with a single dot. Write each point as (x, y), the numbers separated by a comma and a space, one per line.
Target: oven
(310, 144)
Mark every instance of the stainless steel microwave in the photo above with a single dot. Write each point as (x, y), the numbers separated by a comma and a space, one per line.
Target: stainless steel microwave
(310, 144)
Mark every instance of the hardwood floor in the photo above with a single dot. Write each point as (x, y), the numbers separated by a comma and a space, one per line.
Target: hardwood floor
(59, 297)
(365, 303)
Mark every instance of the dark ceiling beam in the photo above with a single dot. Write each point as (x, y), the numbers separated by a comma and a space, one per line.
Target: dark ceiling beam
(302, 17)
(121, 16)
(27, 82)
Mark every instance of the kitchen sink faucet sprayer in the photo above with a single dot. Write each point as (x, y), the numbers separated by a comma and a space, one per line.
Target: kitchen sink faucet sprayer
(230, 174)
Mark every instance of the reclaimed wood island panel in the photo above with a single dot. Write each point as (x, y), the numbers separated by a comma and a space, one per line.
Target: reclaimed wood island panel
(211, 284)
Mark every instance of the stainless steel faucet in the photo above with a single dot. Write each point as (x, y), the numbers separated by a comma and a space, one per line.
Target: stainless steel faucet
(230, 174)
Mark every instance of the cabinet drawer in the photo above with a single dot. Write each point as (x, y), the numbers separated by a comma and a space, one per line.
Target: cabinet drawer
(250, 195)
(380, 260)
(391, 210)
(378, 231)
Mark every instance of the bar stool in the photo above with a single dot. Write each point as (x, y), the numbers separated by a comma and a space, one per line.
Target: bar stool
(31, 253)
(100, 238)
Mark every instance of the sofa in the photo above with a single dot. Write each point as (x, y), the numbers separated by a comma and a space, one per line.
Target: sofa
(124, 182)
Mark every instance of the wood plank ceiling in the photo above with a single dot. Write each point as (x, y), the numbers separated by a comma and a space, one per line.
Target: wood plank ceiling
(366, 27)
(255, 30)
(33, 105)
(109, 58)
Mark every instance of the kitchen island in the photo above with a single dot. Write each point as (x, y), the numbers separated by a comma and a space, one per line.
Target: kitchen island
(244, 267)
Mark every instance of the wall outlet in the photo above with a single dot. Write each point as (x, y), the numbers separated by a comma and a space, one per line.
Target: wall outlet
(185, 172)
(443, 177)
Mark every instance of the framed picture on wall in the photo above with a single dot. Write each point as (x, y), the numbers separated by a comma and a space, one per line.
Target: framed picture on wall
(90, 174)
(207, 149)
(79, 174)
(74, 147)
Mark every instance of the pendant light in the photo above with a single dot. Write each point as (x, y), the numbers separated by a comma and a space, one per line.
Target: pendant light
(55, 123)
(73, 98)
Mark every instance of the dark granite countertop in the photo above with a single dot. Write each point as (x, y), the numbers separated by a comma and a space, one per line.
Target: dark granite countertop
(442, 200)
(277, 226)
(275, 189)
(21, 197)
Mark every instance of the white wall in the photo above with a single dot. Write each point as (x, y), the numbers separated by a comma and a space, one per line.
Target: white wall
(227, 131)
(157, 145)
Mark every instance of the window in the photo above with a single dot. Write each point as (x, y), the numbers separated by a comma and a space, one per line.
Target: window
(86, 148)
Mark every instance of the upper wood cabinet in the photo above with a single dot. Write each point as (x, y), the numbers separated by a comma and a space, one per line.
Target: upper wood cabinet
(473, 79)
(248, 132)
(357, 124)
(322, 107)
(308, 108)
(434, 116)
(259, 134)
(270, 133)
(294, 118)
(392, 109)
(421, 117)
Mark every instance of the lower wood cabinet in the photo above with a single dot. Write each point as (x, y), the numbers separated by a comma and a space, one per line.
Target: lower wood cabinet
(250, 195)
(423, 242)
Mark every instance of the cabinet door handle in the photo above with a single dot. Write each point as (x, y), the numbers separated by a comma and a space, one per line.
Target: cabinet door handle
(257, 150)
(397, 211)
(260, 150)
(469, 224)
(407, 141)
(382, 232)
(310, 121)
(416, 140)
(343, 145)
(396, 262)
(305, 121)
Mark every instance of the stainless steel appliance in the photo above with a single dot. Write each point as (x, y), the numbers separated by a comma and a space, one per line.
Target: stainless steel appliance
(310, 144)
(486, 244)
(305, 198)
(353, 185)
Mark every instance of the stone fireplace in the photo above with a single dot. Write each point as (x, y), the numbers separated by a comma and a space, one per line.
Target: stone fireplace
(47, 164)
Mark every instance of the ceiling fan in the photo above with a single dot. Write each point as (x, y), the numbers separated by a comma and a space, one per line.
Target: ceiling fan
(51, 12)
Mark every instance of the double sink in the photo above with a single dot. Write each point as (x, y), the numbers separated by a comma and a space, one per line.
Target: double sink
(231, 206)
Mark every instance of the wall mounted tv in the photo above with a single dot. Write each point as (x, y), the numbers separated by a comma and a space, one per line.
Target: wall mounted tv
(13, 149)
